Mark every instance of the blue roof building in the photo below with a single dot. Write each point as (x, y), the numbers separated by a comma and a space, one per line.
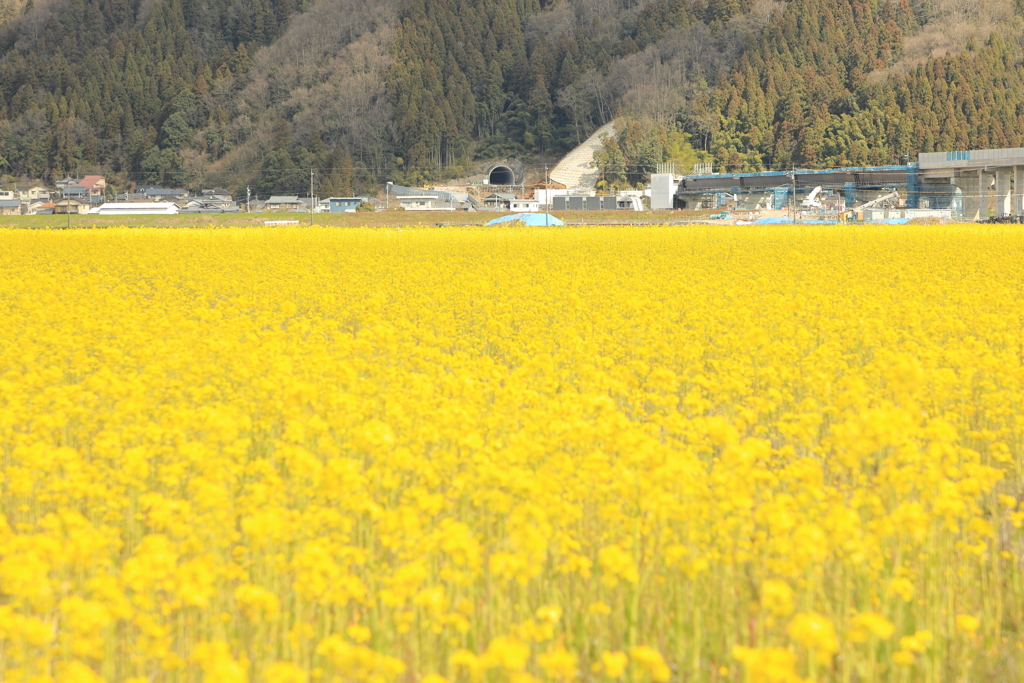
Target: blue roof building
(344, 204)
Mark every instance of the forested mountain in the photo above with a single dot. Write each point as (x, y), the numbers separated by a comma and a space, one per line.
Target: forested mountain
(120, 83)
(828, 83)
(258, 92)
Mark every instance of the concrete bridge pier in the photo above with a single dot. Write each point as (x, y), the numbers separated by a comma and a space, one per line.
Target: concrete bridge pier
(971, 182)
(1018, 190)
(1004, 198)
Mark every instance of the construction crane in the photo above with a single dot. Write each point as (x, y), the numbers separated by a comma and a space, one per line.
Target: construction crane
(878, 200)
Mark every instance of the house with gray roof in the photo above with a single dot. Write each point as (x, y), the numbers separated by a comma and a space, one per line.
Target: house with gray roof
(28, 192)
(499, 200)
(285, 203)
(10, 207)
(165, 194)
(213, 206)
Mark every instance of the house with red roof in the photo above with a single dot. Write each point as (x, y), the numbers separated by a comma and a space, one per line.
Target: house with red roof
(96, 185)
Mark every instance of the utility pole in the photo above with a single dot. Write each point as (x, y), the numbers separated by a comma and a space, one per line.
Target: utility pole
(248, 193)
(547, 195)
(311, 198)
(792, 201)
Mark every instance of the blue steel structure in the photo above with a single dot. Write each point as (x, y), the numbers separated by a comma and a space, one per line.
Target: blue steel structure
(849, 181)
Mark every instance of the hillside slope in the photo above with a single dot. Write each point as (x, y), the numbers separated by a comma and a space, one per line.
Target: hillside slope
(11, 9)
(317, 99)
(827, 84)
(122, 85)
(258, 92)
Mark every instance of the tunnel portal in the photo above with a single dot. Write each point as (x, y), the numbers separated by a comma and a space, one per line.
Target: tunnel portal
(501, 175)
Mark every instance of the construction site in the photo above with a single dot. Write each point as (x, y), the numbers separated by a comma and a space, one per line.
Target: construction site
(968, 185)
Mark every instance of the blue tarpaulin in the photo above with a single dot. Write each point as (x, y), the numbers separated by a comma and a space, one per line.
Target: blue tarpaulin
(527, 219)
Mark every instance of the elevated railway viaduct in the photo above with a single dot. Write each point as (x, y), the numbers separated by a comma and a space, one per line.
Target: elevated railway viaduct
(961, 181)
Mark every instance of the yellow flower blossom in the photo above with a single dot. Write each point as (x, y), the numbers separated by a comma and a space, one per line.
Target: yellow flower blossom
(358, 633)
(903, 588)
(916, 643)
(650, 661)
(558, 664)
(359, 662)
(867, 624)
(966, 623)
(617, 564)
(374, 455)
(506, 653)
(257, 603)
(285, 672)
(76, 671)
(614, 663)
(768, 664)
(217, 663)
(777, 597)
(814, 632)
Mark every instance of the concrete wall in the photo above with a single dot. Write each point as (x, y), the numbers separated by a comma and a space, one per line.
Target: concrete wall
(663, 190)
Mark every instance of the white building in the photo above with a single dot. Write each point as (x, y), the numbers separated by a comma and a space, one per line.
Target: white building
(546, 196)
(881, 213)
(424, 202)
(135, 208)
(524, 205)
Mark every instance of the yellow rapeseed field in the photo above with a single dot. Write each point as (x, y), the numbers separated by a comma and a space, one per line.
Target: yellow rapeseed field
(753, 454)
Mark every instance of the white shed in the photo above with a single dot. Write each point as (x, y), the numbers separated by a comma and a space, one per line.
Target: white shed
(135, 208)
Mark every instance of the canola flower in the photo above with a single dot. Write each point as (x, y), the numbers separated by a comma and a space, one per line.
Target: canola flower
(523, 455)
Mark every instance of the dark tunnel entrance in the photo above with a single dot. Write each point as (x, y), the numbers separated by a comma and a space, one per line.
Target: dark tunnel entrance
(501, 175)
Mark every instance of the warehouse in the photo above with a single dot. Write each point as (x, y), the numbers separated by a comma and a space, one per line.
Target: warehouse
(135, 208)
